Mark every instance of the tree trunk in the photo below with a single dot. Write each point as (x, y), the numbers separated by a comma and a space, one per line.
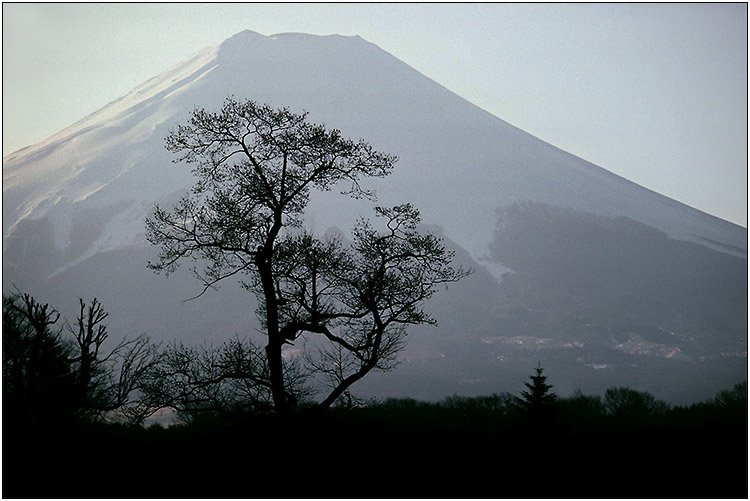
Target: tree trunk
(273, 352)
(264, 260)
(275, 343)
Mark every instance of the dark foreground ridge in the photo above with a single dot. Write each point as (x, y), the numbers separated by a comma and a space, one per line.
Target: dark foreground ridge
(458, 448)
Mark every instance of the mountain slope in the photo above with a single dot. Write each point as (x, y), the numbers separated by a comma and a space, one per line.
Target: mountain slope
(77, 201)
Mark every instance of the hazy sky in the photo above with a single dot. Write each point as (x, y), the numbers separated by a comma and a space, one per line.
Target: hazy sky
(656, 93)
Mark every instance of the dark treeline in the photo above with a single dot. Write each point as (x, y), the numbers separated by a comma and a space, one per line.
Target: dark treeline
(399, 448)
(73, 417)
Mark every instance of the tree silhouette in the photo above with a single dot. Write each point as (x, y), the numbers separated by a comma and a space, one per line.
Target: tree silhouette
(228, 380)
(256, 167)
(538, 402)
(107, 379)
(38, 384)
(50, 378)
(360, 297)
(630, 404)
(734, 399)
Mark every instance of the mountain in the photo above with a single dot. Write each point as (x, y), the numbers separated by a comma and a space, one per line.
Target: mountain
(604, 281)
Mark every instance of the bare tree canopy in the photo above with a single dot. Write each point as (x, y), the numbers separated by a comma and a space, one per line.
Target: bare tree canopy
(360, 297)
(255, 168)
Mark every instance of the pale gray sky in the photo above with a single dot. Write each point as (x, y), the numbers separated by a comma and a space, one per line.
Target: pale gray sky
(656, 93)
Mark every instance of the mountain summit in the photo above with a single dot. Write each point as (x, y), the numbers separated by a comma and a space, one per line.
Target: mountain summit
(615, 284)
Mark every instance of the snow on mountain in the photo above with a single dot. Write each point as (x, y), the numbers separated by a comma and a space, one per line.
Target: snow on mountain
(447, 146)
(82, 195)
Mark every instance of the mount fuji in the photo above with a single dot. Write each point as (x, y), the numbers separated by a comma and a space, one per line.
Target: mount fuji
(605, 282)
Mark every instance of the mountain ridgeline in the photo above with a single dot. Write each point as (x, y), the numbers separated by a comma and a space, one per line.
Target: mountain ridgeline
(607, 282)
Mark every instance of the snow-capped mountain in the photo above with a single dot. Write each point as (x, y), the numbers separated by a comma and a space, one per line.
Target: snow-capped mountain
(604, 280)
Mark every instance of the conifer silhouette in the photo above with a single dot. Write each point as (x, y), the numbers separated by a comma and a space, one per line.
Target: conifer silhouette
(538, 404)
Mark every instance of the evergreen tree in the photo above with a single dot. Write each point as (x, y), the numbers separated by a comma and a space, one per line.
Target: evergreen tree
(538, 404)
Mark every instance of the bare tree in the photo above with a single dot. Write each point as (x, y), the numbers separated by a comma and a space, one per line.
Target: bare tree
(89, 336)
(255, 168)
(631, 404)
(108, 380)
